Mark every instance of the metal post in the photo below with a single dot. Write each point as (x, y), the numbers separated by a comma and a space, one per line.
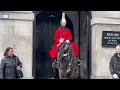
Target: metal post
(89, 43)
(79, 45)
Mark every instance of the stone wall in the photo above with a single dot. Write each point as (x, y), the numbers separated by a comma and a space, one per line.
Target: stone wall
(102, 21)
(16, 31)
(74, 17)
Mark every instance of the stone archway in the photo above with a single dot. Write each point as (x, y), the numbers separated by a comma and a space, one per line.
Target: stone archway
(45, 26)
(81, 35)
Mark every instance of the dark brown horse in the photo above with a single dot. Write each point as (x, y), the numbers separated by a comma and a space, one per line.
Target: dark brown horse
(66, 65)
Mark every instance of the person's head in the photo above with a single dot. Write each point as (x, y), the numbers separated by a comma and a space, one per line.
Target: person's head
(8, 51)
(63, 24)
(63, 21)
(118, 49)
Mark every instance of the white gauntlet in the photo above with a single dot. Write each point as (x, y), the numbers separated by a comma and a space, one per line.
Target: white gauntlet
(115, 76)
(68, 41)
(61, 40)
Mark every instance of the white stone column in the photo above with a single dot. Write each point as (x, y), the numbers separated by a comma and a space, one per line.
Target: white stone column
(16, 30)
(102, 21)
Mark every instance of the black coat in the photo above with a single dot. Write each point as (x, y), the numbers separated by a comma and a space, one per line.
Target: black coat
(8, 67)
(114, 65)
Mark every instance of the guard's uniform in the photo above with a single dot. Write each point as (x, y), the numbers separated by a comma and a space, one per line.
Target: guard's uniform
(62, 32)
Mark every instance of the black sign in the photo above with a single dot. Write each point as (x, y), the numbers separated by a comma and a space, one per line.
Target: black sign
(110, 38)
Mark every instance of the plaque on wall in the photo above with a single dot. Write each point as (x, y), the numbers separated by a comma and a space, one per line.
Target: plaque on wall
(110, 38)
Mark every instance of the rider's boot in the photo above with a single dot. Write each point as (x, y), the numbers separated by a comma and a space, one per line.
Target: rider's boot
(78, 60)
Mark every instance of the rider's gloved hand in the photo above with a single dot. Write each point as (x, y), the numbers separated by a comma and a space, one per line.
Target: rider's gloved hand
(68, 41)
(115, 76)
(61, 40)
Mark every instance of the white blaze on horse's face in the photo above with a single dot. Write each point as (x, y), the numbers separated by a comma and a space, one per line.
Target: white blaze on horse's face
(65, 54)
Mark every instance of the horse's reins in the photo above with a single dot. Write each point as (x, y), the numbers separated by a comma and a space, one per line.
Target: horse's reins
(60, 37)
(59, 43)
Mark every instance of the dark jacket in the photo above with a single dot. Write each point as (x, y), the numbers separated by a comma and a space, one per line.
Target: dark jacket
(8, 67)
(114, 65)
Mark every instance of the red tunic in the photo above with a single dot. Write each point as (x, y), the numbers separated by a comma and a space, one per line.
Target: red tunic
(66, 35)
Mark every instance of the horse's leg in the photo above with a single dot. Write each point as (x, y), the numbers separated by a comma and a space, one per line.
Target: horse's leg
(73, 62)
(62, 73)
(73, 66)
(76, 76)
(56, 73)
(62, 68)
(55, 69)
(74, 73)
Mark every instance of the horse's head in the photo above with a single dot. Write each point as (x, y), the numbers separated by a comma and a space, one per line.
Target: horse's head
(66, 57)
(63, 51)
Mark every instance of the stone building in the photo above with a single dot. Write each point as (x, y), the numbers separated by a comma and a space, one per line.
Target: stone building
(31, 33)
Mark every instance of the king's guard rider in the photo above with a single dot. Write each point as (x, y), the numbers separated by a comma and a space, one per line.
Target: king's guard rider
(62, 34)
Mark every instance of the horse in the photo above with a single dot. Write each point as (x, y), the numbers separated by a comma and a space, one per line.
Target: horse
(66, 65)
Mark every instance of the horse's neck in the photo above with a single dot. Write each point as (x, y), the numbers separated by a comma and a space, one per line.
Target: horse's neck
(71, 54)
(63, 49)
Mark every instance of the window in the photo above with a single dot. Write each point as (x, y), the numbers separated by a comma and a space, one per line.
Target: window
(4, 15)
